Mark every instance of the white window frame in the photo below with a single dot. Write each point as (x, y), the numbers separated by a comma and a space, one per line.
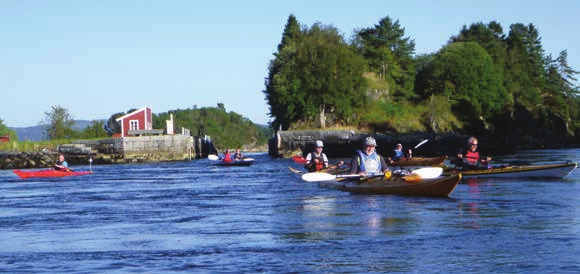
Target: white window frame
(133, 124)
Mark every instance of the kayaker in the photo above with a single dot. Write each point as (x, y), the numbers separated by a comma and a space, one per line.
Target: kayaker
(367, 161)
(61, 164)
(238, 155)
(399, 155)
(227, 156)
(470, 158)
(316, 160)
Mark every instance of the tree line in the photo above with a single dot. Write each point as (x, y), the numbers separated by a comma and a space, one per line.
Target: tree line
(483, 80)
(226, 129)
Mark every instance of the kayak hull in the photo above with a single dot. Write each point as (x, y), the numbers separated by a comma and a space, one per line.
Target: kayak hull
(417, 161)
(48, 173)
(244, 162)
(396, 185)
(556, 171)
(437, 187)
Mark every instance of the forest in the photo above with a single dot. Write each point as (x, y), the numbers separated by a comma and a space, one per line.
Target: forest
(484, 81)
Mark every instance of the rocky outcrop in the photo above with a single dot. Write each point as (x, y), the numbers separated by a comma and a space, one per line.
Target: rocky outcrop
(12, 160)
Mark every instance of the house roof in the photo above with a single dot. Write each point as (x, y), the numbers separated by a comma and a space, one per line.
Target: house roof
(129, 114)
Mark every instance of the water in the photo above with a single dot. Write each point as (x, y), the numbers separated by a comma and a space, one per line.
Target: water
(191, 217)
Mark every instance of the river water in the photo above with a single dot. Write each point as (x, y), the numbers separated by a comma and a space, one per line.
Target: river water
(192, 217)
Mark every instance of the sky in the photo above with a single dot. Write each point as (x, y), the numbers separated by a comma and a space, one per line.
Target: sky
(100, 57)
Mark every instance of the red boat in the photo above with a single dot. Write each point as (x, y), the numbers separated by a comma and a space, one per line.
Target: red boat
(48, 173)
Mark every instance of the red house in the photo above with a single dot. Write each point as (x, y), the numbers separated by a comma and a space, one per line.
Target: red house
(138, 120)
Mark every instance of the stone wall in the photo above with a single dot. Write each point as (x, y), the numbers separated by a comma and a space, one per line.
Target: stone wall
(158, 148)
(343, 143)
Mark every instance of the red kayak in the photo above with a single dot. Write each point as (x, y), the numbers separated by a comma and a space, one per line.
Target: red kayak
(48, 173)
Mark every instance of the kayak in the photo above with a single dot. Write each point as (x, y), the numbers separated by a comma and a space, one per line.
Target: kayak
(435, 187)
(216, 161)
(243, 162)
(418, 161)
(441, 186)
(48, 173)
(512, 171)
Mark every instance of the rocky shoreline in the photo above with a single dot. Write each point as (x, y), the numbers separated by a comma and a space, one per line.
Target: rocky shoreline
(342, 143)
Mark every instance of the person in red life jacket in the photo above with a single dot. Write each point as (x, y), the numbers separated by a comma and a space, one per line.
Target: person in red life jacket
(316, 160)
(227, 156)
(471, 159)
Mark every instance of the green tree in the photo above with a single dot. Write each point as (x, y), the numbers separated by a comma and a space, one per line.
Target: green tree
(5, 130)
(464, 73)
(282, 93)
(315, 74)
(525, 77)
(59, 123)
(112, 126)
(491, 38)
(389, 54)
(95, 130)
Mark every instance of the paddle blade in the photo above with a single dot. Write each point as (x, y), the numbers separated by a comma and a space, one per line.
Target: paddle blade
(428, 172)
(213, 157)
(299, 159)
(318, 177)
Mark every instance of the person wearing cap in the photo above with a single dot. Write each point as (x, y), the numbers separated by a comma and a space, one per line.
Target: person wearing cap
(316, 160)
(367, 161)
(398, 154)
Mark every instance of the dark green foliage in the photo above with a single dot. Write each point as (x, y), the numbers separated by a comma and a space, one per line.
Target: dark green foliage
(465, 73)
(59, 123)
(390, 55)
(226, 129)
(314, 73)
(95, 130)
(112, 126)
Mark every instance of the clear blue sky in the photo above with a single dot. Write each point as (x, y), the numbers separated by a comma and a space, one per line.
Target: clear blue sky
(97, 58)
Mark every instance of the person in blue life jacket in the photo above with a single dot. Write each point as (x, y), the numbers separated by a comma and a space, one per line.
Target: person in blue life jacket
(367, 161)
(398, 154)
(61, 164)
(316, 160)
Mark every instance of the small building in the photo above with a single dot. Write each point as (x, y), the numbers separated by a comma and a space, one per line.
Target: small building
(138, 120)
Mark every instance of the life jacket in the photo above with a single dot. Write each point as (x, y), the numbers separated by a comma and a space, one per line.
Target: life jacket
(228, 158)
(398, 155)
(370, 164)
(471, 158)
(63, 163)
(319, 165)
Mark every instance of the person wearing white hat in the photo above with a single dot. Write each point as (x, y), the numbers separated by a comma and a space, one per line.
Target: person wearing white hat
(316, 160)
(368, 161)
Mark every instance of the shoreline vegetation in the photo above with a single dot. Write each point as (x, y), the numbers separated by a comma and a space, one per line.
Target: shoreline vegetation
(490, 81)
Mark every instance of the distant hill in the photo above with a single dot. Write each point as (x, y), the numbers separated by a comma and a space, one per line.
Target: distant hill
(38, 133)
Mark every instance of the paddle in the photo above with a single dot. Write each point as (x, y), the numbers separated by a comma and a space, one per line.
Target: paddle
(299, 159)
(421, 173)
(421, 143)
(213, 157)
